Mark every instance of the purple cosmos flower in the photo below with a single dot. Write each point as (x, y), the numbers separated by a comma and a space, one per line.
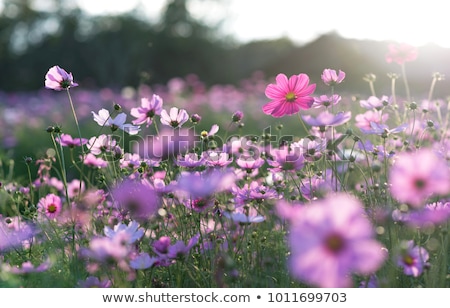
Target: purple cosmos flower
(401, 53)
(384, 130)
(326, 101)
(414, 177)
(289, 95)
(28, 267)
(432, 214)
(103, 118)
(50, 206)
(205, 184)
(175, 118)
(148, 109)
(144, 261)
(237, 116)
(331, 77)
(254, 191)
(374, 102)
(413, 259)
(312, 148)
(14, 236)
(94, 282)
(180, 249)
(244, 216)
(67, 141)
(328, 119)
(135, 197)
(330, 239)
(58, 79)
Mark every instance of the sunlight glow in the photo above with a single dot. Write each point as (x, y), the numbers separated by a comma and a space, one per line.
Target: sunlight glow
(414, 22)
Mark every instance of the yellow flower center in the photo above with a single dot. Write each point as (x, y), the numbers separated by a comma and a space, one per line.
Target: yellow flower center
(408, 260)
(290, 96)
(51, 208)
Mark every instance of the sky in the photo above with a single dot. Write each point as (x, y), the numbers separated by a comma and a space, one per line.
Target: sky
(414, 22)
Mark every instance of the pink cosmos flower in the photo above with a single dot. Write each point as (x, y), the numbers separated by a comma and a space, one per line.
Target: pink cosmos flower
(401, 53)
(190, 160)
(289, 95)
(92, 161)
(413, 259)
(374, 102)
(414, 177)
(286, 159)
(331, 77)
(58, 79)
(364, 120)
(217, 158)
(66, 140)
(330, 239)
(148, 109)
(50, 205)
(175, 117)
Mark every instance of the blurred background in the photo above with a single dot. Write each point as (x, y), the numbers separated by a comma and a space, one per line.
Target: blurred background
(209, 56)
(127, 43)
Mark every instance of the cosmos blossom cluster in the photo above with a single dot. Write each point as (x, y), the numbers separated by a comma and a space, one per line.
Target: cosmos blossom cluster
(351, 199)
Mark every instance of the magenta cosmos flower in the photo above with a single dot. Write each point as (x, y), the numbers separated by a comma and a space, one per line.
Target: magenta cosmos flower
(401, 53)
(330, 239)
(416, 176)
(50, 205)
(148, 109)
(58, 79)
(289, 95)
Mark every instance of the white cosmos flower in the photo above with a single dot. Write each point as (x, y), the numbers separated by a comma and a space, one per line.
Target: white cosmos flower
(103, 118)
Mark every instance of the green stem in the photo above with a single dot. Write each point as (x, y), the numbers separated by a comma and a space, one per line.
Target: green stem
(79, 134)
(405, 80)
(302, 123)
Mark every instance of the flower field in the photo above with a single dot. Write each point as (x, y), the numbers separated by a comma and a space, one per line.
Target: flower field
(269, 184)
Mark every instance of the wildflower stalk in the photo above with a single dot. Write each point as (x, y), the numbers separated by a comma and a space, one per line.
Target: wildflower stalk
(302, 123)
(436, 77)
(62, 163)
(79, 135)
(405, 81)
(31, 183)
(370, 78)
(445, 126)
